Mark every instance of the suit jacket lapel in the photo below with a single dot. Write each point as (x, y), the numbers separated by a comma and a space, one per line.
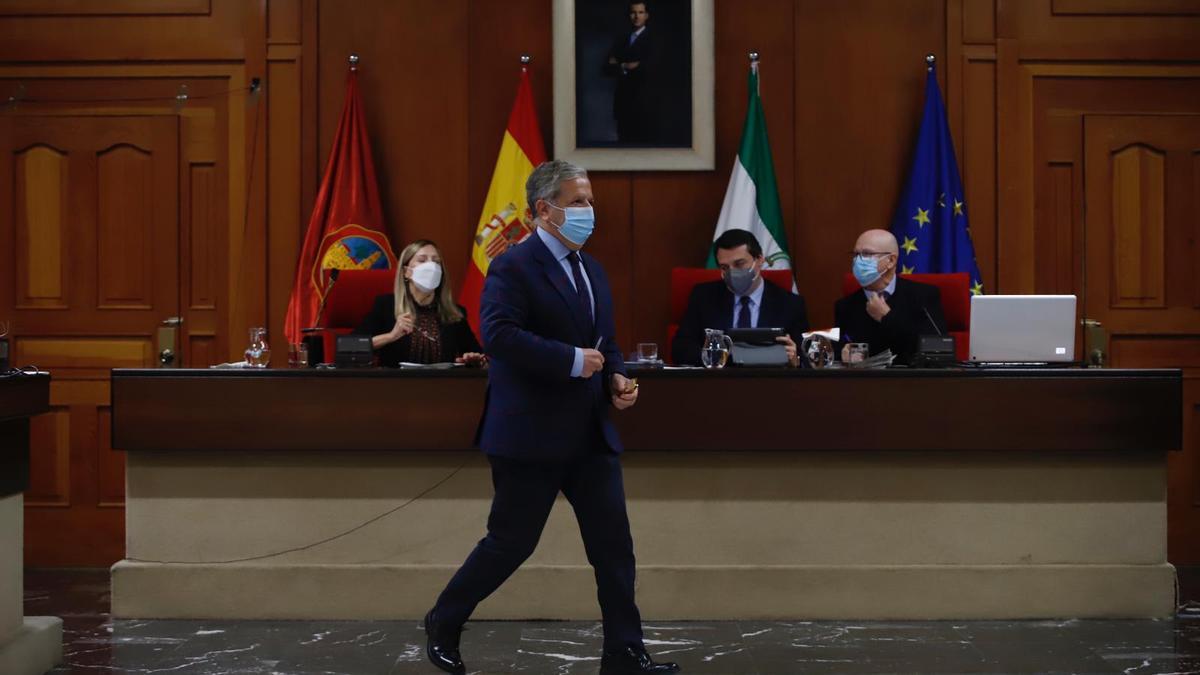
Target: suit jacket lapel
(558, 279)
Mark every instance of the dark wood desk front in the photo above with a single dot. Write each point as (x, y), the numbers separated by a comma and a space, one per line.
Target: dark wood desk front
(21, 397)
(892, 410)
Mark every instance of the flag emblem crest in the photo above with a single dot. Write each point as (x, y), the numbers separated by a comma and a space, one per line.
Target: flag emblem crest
(503, 230)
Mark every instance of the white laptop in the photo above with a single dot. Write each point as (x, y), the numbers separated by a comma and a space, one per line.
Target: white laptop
(1022, 328)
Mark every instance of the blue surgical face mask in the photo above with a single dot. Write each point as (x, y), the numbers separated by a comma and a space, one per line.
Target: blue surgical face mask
(578, 225)
(866, 270)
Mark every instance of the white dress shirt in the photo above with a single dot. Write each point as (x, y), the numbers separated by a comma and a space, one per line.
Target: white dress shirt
(560, 253)
(755, 304)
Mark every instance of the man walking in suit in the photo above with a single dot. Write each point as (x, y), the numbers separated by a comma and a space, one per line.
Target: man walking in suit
(742, 299)
(546, 319)
(887, 312)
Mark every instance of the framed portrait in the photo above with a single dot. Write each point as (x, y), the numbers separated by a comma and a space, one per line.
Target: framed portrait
(633, 84)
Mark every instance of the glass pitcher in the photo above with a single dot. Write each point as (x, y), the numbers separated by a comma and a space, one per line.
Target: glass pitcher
(715, 350)
(258, 354)
(818, 351)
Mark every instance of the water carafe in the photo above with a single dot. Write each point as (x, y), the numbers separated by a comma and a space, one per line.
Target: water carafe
(715, 350)
(258, 354)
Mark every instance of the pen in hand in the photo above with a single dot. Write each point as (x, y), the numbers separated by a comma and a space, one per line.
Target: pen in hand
(599, 340)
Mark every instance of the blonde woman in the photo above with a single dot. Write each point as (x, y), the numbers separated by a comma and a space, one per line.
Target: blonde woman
(419, 322)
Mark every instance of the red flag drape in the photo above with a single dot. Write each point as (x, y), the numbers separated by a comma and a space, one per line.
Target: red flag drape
(346, 228)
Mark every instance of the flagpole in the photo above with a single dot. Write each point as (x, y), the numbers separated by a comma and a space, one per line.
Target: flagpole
(353, 63)
(929, 61)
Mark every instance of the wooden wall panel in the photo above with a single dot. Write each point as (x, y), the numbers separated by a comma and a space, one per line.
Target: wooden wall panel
(42, 244)
(1139, 201)
(1044, 33)
(124, 229)
(202, 351)
(978, 154)
(284, 22)
(50, 459)
(31, 8)
(1127, 7)
(203, 224)
(979, 21)
(110, 475)
(285, 222)
(216, 34)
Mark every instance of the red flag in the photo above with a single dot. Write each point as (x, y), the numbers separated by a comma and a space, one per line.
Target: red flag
(506, 219)
(346, 227)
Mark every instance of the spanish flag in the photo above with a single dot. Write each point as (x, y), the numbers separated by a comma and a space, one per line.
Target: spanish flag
(506, 218)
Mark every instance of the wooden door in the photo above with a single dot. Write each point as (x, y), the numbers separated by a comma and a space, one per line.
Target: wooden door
(1142, 221)
(89, 224)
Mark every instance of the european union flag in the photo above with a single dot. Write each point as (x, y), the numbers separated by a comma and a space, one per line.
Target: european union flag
(931, 221)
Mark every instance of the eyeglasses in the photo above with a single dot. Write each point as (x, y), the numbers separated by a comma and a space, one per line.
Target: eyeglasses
(868, 254)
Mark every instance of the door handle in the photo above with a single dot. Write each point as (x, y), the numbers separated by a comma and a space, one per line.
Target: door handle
(167, 343)
(1095, 343)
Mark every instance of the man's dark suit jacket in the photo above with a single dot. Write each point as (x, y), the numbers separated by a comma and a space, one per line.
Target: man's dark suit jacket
(531, 321)
(634, 99)
(711, 306)
(901, 328)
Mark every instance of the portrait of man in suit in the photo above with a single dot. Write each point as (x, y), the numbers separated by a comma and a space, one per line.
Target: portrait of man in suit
(633, 73)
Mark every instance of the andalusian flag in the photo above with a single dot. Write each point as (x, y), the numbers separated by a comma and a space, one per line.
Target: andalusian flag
(752, 200)
(506, 219)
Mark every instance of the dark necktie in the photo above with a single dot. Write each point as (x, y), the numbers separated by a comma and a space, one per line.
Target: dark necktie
(580, 286)
(744, 313)
(884, 295)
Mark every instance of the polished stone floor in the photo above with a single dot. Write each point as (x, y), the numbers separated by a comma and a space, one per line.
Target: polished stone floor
(98, 644)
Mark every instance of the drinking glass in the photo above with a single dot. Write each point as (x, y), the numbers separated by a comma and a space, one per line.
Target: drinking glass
(647, 352)
(858, 352)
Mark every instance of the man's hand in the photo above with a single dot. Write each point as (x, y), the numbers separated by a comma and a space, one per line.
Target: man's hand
(846, 353)
(474, 359)
(631, 65)
(593, 362)
(790, 346)
(624, 391)
(877, 307)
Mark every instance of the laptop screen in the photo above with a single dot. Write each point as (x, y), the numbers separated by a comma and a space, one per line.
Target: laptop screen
(1023, 328)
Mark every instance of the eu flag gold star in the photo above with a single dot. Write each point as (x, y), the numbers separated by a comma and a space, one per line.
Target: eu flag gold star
(905, 269)
(977, 288)
(909, 245)
(958, 207)
(922, 217)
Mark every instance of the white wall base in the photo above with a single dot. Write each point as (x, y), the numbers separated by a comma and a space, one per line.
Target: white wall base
(35, 649)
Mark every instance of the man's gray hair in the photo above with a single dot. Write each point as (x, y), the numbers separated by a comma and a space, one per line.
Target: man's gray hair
(546, 181)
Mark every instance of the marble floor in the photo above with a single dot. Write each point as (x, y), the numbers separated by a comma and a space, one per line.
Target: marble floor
(95, 643)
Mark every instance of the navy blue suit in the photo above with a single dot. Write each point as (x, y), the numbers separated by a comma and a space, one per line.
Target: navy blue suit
(711, 306)
(545, 432)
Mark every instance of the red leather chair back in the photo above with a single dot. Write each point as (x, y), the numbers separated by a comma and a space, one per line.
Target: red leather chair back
(956, 303)
(350, 301)
(683, 279)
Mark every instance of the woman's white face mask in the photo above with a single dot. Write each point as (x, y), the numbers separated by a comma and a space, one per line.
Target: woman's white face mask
(427, 276)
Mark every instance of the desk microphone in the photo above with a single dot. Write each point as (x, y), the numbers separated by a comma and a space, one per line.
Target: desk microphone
(931, 321)
(333, 277)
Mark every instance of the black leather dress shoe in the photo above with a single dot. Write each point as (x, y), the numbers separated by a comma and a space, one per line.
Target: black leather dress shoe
(441, 645)
(633, 660)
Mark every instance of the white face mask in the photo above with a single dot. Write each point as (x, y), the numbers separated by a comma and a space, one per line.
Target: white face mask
(427, 276)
